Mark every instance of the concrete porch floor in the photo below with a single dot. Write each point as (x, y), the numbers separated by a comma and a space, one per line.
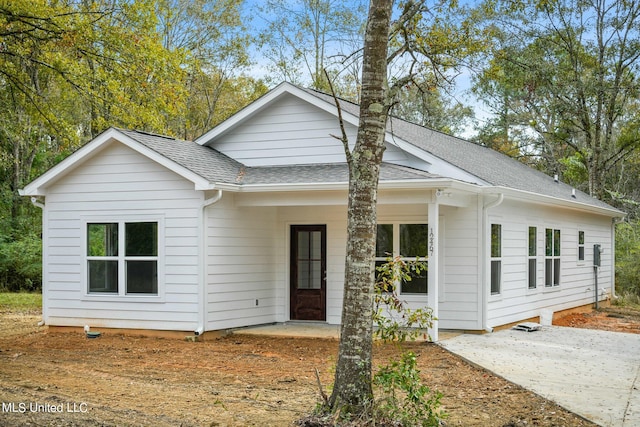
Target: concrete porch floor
(309, 330)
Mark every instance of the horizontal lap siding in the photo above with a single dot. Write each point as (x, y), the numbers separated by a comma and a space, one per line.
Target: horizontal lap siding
(460, 304)
(334, 217)
(119, 182)
(516, 302)
(241, 265)
(290, 132)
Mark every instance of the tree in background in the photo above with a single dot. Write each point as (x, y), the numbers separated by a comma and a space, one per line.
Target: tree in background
(215, 43)
(564, 77)
(69, 70)
(305, 38)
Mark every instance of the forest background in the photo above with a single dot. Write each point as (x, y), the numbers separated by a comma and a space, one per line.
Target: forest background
(552, 83)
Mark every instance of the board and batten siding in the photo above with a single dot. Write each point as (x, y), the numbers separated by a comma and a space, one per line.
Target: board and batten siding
(577, 283)
(292, 132)
(119, 184)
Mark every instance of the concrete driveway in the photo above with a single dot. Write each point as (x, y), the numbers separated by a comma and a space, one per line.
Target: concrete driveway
(595, 374)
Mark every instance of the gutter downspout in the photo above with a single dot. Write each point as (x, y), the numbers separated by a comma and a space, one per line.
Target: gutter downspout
(39, 204)
(202, 260)
(485, 219)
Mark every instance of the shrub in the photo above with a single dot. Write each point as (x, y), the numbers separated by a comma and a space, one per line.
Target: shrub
(21, 264)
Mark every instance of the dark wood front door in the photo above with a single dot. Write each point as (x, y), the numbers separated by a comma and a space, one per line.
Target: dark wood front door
(308, 272)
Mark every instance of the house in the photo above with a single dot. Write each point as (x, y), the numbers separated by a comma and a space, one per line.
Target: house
(247, 225)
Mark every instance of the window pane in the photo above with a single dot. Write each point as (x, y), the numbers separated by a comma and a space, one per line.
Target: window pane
(580, 253)
(142, 277)
(532, 274)
(141, 238)
(548, 242)
(556, 272)
(303, 244)
(413, 240)
(496, 240)
(533, 247)
(103, 276)
(417, 284)
(496, 267)
(102, 239)
(548, 272)
(581, 237)
(316, 245)
(384, 240)
(556, 242)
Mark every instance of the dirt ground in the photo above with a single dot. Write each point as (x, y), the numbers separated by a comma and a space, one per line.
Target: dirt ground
(66, 379)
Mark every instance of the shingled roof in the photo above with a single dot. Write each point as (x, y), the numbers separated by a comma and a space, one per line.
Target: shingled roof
(485, 163)
(216, 167)
(489, 166)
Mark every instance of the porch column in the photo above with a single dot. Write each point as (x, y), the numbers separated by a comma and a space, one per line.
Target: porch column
(432, 277)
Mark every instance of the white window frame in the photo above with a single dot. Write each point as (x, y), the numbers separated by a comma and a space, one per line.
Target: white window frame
(556, 260)
(495, 259)
(122, 259)
(533, 257)
(396, 252)
(582, 246)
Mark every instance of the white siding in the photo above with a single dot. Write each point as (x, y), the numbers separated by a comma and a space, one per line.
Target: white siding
(241, 266)
(119, 183)
(460, 305)
(516, 301)
(291, 131)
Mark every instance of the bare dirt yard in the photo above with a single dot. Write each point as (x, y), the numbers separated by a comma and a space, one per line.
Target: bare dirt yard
(66, 379)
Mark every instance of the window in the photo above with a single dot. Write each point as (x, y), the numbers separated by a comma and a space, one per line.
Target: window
(533, 261)
(580, 245)
(496, 258)
(552, 258)
(409, 241)
(122, 258)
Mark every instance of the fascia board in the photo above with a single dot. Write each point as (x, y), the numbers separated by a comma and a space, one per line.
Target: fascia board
(36, 187)
(264, 101)
(554, 201)
(324, 186)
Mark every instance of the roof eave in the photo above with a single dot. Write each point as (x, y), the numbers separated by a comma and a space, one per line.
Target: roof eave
(38, 186)
(555, 201)
(432, 183)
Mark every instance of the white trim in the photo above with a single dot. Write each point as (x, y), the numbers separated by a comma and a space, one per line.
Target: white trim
(262, 102)
(121, 295)
(38, 186)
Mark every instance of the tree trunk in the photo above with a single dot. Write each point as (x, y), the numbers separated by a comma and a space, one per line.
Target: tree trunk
(352, 387)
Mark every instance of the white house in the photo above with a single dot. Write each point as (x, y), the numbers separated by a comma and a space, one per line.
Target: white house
(247, 225)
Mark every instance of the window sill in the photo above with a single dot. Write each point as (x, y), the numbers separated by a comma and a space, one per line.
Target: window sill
(551, 289)
(123, 298)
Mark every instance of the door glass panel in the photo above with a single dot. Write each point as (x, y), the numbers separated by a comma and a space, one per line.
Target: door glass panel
(303, 245)
(309, 259)
(316, 245)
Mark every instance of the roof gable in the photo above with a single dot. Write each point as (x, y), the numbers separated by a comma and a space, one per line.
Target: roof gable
(187, 159)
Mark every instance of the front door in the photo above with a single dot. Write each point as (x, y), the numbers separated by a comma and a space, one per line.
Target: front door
(308, 272)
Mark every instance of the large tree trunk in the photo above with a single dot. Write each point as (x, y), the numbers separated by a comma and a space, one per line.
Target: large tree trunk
(352, 387)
